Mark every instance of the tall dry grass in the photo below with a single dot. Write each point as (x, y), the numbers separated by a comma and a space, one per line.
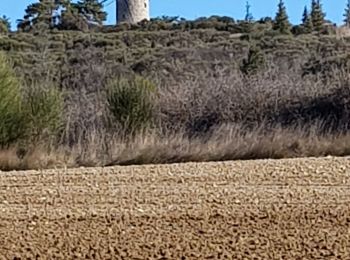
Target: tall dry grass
(227, 142)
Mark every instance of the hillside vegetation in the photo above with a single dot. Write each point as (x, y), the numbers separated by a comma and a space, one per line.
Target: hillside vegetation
(173, 91)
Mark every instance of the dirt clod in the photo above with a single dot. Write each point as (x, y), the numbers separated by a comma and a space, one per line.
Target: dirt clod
(267, 209)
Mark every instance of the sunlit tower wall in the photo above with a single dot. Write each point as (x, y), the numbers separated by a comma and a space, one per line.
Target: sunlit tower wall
(132, 11)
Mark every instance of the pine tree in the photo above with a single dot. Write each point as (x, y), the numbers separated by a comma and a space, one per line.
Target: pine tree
(248, 15)
(70, 19)
(92, 11)
(254, 62)
(282, 23)
(43, 12)
(306, 15)
(306, 21)
(317, 15)
(347, 14)
(5, 25)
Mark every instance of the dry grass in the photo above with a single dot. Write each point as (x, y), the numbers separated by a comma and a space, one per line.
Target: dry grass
(227, 142)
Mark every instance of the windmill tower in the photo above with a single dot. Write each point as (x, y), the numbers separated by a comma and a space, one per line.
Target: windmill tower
(132, 11)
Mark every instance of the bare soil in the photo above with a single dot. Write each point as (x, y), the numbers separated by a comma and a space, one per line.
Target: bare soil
(266, 209)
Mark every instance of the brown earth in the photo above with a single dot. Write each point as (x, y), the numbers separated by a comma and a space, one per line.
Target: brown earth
(267, 209)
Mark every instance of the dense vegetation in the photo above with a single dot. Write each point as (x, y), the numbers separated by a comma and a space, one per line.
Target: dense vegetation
(170, 89)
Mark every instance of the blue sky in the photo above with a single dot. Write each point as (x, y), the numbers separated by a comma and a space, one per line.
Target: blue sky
(195, 8)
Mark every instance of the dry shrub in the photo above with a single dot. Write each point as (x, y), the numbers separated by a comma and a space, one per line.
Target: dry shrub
(201, 115)
(226, 117)
(197, 106)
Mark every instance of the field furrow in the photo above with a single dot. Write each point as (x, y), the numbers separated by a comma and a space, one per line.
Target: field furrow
(265, 209)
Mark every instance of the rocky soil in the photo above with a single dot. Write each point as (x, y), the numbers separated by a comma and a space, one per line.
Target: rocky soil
(266, 209)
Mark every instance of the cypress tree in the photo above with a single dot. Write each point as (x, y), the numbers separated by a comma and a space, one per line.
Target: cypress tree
(317, 15)
(282, 23)
(347, 14)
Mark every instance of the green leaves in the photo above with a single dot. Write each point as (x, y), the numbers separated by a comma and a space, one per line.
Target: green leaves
(64, 14)
(282, 23)
(317, 15)
(11, 117)
(43, 111)
(31, 115)
(347, 14)
(254, 61)
(130, 101)
(5, 25)
(92, 11)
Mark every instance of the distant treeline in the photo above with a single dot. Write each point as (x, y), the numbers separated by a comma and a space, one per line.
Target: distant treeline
(90, 14)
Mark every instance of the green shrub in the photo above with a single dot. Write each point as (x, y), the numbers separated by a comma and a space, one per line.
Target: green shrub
(11, 118)
(254, 62)
(43, 111)
(130, 102)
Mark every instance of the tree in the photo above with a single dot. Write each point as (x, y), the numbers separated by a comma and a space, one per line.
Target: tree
(63, 14)
(317, 15)
(43, 12)
(282, 23)
(70, 18)
(248, 15)
(255, 60)
(5, 25)
(306, 15)
(347, 14)
(92, 11)
(306, 21)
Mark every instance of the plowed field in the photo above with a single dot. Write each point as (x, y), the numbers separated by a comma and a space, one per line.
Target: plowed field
(267, 209)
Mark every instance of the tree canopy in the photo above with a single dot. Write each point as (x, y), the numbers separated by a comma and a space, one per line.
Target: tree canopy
(63, 14)
(282, 23)
(317, 15)
(347, 14)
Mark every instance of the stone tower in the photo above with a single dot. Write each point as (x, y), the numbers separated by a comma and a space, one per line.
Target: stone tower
(132, 11)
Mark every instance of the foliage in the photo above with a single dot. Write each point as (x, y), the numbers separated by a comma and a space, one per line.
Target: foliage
(28, 113)
(11, 119)
(42, 13)
(306, 21)
(5, 25)
(63, 14)
(92, 11)
(130, 101)
(70, 18)
(317, 15)
(255, 61)
(282, 23)
(347, 14)
(248, 15)
(43, 111)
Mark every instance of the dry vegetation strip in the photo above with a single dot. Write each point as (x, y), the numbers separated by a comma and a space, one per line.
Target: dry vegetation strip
(267, 209)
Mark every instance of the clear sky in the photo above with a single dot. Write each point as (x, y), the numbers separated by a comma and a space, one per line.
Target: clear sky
(196, 8)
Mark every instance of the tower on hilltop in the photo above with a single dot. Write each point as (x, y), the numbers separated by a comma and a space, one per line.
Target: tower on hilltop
(132, 11)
